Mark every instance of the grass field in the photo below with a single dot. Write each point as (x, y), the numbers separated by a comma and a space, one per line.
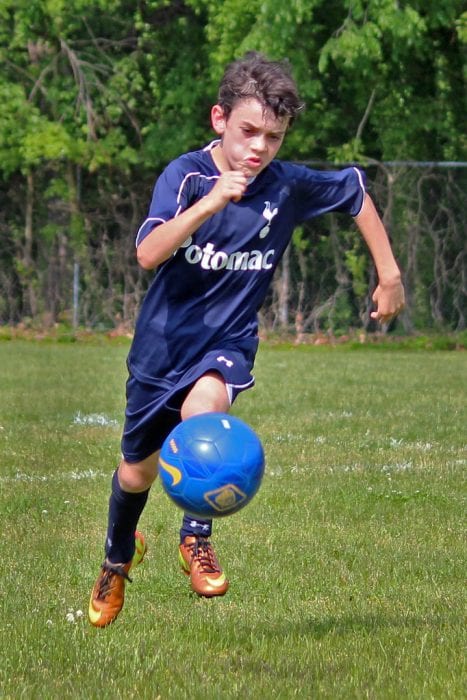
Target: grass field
(347, 571)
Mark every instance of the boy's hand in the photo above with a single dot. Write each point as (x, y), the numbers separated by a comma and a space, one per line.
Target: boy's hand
(230, 186)
(389, 299)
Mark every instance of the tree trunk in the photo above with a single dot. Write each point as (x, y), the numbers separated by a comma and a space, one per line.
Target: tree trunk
(30, 291)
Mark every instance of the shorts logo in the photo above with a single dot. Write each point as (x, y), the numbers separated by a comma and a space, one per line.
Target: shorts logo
(221, 358)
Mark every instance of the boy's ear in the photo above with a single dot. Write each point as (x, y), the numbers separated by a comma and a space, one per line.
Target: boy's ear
(218, 119)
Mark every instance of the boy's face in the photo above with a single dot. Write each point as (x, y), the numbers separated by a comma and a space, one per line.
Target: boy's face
(250, 137)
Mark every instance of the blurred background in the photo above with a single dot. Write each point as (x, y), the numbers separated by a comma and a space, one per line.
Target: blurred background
(98, 95)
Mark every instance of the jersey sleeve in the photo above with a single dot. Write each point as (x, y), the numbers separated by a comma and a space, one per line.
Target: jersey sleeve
(321, 192)
(172, 194)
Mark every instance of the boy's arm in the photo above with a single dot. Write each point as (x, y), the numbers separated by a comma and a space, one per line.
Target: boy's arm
(389, 294)
(167, 237)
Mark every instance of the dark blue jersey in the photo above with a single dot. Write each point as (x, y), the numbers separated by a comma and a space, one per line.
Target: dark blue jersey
(206, 296)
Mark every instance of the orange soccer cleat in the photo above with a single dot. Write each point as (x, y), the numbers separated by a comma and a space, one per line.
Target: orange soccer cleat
(108, 594)
(198, 561)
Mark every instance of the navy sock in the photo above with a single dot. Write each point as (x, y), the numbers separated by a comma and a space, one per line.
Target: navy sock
(195, 526)
(124, 512)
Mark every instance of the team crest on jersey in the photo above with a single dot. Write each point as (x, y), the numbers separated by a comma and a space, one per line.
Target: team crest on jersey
(268, 214)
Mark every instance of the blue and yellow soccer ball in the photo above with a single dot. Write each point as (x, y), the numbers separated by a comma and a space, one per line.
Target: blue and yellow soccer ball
(211, 465)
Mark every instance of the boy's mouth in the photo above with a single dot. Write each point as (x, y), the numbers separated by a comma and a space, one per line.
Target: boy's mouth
(253, 162)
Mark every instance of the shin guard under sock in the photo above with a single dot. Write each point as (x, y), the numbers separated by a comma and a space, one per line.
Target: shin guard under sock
(124, 512)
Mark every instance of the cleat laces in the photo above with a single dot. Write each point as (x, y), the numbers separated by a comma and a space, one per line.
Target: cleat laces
(202, 551)
(106, 580)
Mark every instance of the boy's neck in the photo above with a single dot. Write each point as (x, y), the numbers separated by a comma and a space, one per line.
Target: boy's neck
(219, 158)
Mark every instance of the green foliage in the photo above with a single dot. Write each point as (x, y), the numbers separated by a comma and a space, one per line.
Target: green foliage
(100, 95)
(409, 57)
(300, 240)
(357, 264)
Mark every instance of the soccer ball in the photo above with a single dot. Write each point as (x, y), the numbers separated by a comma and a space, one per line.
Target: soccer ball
(211, 465)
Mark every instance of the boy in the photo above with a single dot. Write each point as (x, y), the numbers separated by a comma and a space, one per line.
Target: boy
(219, 222)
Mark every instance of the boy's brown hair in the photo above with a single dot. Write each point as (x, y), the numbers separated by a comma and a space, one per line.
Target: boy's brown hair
(270, 82)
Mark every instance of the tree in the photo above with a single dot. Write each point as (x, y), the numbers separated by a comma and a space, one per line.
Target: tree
(97, 96)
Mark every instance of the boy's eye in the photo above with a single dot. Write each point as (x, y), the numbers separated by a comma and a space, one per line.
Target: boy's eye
(249, 131)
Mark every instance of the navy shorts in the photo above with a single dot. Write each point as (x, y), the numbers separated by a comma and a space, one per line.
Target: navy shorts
(153, 410)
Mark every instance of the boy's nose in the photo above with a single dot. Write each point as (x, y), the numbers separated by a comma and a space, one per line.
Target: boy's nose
(259, 144)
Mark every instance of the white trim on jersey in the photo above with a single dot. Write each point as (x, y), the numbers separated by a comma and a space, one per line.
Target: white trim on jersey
(179, 195)
(183, 183)
(161, 221)
(211, 145)
(362, 185)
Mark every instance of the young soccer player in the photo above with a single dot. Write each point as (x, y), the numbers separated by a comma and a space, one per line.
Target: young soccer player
(218, 224)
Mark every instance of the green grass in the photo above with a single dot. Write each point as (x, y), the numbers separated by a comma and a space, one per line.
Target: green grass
(347, 571)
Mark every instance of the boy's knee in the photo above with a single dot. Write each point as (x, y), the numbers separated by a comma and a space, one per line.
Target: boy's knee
(137, 476)
(209, 394)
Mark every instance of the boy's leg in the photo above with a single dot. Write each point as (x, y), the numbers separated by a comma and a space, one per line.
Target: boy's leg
(196, 554)
(208, 395)
(130, 489)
